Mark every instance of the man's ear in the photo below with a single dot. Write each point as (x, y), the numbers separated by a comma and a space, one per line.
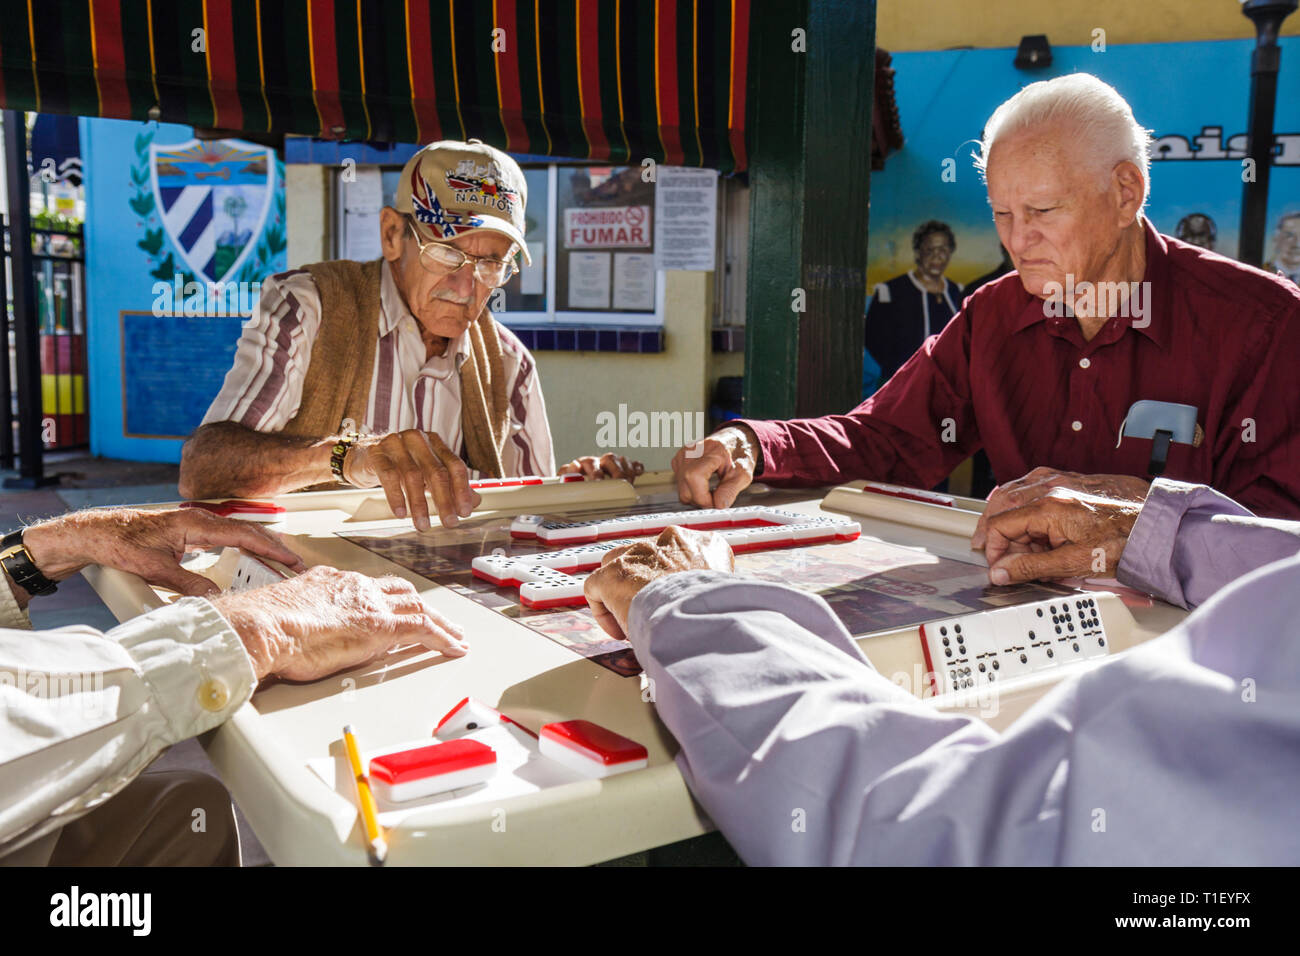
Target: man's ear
(1126, 179)
(392, 233)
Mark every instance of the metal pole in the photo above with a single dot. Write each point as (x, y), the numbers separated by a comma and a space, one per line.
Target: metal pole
(27, 344)
(1265, 62)
(6, 386)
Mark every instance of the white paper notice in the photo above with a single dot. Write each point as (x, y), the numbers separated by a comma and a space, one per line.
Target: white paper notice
(365, 193)
(532, 279)
(362, 200)
(686, 218)
(589, 280)
(361, 230)
(634, 281)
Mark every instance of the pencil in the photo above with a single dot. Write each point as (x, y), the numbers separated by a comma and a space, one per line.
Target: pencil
(375, 842)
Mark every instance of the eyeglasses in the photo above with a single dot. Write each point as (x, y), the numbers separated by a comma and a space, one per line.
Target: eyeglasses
(442, 259)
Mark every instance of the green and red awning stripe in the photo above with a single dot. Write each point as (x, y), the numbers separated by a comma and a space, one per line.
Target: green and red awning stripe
(610, 80)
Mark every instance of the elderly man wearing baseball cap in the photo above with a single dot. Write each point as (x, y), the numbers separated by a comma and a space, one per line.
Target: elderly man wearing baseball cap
(392, 372)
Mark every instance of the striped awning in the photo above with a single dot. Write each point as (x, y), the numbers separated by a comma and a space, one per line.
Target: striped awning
(616, 80)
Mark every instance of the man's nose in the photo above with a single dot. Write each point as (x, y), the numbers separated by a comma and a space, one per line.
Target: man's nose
(462, 280)
(1019, 239)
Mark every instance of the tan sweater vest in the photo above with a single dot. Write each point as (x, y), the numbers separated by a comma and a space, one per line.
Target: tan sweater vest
(337, 387)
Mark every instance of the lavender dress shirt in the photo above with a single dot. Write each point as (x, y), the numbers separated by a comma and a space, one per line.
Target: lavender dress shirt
(1185, 751)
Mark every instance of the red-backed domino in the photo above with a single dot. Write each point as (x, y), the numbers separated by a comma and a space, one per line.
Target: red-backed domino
(469, 715)
(525, 526)
(472, 715)
(264, 512)
(553, 589)
(424, 771)
(591, 749)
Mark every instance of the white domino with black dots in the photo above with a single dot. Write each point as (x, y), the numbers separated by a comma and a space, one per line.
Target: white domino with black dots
(988, 648)
(554, 578)
(251, 573)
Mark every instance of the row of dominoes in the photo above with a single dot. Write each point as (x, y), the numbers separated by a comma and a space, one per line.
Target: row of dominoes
(988, 648)
(535, 527)
(554, 578)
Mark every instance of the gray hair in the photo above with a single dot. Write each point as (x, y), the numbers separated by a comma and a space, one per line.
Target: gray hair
(1101, 118)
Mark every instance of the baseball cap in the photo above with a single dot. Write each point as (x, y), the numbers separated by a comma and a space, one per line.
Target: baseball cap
(452, 188)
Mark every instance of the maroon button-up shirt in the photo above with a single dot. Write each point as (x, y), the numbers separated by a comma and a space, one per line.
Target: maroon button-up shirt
(1026, 387)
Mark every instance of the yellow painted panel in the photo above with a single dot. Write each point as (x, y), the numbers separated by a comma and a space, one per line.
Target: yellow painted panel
(63, 394)
(943, 24)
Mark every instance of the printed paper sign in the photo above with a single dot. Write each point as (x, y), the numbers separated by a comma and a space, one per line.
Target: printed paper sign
(607, 227)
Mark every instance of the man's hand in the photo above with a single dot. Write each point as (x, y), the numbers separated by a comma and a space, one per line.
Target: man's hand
(730, 453)
(1040, 481)
(624, 571)
(327, 620)
(148, 543)
(407, 464)
(1061, 534)
(608, 465)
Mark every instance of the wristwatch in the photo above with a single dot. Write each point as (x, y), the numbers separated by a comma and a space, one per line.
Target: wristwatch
(17, 560)
(337, 456)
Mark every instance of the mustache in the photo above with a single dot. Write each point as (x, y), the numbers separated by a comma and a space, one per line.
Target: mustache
(452, 298)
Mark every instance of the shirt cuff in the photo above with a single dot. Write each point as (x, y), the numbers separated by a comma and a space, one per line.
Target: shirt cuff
(774, 447)
(193, 663)
(11, 615)
(1147, 562)
(661, 591)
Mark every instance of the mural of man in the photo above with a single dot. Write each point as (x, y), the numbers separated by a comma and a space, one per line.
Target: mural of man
(1198, 229)
(908, 309)
(1286, 247)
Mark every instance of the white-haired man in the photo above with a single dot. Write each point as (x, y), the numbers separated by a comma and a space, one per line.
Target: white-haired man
(392, 372)
(1041, 370)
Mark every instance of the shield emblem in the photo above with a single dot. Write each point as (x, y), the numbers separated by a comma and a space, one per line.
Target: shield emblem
(213, 198)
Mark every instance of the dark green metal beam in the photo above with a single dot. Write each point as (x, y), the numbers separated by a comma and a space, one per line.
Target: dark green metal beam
(809, 178)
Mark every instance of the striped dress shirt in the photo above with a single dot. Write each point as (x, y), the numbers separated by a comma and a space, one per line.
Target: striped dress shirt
(263, 390)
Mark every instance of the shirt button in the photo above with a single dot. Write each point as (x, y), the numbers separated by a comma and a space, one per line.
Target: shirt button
(1077, 425)
(1084, 363)
(214, 695)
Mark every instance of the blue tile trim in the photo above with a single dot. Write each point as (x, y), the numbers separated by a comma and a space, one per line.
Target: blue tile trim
(551, 338)
(308, 149)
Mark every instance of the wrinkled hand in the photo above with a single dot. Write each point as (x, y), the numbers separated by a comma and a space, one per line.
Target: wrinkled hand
(148, 543)
(1062, 534)
(608, 465)
(624, 571)
(407, 464)
(327, 620)
(1040, 481)
(730, 453)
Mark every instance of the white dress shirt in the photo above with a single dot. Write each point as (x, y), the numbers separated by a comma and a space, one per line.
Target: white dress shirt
(82, 713)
